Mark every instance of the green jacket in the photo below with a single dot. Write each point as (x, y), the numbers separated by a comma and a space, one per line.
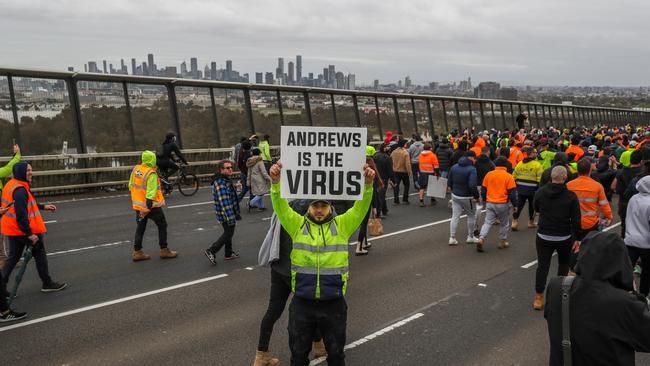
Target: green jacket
(625, 156)
(149, 159)
(6, 170)
(265, 149)
(319, 255)
(547, 158)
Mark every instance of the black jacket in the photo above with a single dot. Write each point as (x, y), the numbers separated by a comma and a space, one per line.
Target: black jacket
(608, 321)
(559, 210)
(169, 148)
(384, 166)
(483, 166)
(546, 176)
(444, 153)
(624, 177)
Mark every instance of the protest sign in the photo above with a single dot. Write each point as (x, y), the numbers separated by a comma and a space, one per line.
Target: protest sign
(322, 162)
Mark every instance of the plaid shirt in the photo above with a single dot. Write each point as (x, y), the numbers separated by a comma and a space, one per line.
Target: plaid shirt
(226, 205)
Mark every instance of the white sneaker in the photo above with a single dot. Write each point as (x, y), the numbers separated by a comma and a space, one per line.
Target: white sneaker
(453, 241)
(471, 240)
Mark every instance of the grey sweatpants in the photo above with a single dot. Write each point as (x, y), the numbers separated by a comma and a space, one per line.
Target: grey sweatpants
(458, 206)
(496, 211)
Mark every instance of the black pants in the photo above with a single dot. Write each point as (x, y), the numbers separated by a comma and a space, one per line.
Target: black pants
(363, 228)
(636, 253)
(308, 316)
(156, 215)
(521, 202)
(545, 251)
(224, 239)
(16, 246)
(280, 291)
(3, 295)
(381, 193)
(166, 167)
(622, 213)
(404, 179)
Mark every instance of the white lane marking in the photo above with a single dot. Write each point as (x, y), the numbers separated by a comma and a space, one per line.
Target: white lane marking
(482, 285)
(250, 268)
(190, 204)
(415, 228)
(528, 265)
(90, 247)
(51, 222)
(112, 302)
(373, 335)
(266, 218)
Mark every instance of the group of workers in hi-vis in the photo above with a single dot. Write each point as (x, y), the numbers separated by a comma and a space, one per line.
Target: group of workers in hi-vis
(328, 187)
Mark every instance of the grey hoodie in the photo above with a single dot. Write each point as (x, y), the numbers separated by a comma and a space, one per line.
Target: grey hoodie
(637, 222)
(415, 150)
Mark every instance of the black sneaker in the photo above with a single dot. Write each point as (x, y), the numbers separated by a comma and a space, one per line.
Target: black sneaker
(233, 255)
(11, 316)
(53, 286)
(210, 256)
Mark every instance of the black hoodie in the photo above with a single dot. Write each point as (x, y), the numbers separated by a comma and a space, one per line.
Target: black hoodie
(559, 210)
(608, 321)
(483, 166)
(21, 197)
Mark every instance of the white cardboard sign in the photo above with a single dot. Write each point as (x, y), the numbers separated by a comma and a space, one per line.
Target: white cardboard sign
(322, 162)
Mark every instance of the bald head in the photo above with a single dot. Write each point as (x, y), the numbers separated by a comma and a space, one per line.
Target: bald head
(558, 174)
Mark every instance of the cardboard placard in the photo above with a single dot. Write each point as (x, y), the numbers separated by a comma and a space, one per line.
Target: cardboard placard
(322, 162)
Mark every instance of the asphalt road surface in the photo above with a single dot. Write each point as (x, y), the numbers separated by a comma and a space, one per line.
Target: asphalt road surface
(413, 301)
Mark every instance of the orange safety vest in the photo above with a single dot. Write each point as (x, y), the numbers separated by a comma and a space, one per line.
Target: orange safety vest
(515, 156)
(591, 195)
(139, 178)
(9, 223)
(576, 150)
(428, 162)
(497, 183)
(477, 150)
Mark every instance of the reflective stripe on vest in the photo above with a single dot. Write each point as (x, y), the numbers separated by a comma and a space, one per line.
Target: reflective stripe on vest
(323, 271)
(590, 199)
(589, 213)
(139, 178)
(322, 249)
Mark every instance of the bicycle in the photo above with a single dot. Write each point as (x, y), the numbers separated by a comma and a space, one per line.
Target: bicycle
(188, 183)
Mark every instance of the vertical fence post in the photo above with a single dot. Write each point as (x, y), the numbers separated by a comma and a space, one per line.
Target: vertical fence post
(280, 110)
(14, 109)
(381, 131)
(249, 110)
(503, 116)
(173, 108)
(336, 122)
(430, 114)
(129, 115)
(308, 107)
(355, 103)
(415, 118)
(396, 108)
(460, 125)
(444, 114)
(215, 120)
(482, 110)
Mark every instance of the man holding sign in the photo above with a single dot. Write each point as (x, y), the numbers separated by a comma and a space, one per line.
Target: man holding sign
(319, 256)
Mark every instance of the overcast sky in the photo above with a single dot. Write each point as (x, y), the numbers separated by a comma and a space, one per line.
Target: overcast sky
(515, 42)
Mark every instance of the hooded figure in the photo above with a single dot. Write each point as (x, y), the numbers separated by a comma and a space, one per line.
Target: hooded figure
(608, 320)
(604, 175)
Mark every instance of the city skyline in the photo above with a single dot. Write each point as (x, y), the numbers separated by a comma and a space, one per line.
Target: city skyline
(586, 43)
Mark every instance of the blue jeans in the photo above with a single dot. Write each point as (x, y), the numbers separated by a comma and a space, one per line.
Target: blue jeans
(244, 187)
(257, 201)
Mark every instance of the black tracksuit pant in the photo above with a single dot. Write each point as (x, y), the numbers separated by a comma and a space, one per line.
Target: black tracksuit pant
(156, 215)
(545, 251)
(404, 178)
(308, 316)
(280, 291)
(635, 253)
(17, 245)
(224, 239)
(521, 202)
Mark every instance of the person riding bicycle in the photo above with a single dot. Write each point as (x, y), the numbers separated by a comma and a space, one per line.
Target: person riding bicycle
(167, 163)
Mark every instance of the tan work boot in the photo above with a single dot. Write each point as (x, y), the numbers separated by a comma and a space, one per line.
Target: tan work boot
(532, 224)
(503, 244)
(515, 225)
(319, 349)
(265, 359)
(479, 245)
(538, 304)
(138, 255)
(166, 253)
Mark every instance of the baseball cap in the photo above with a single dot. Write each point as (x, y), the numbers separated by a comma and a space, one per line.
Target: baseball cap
(592, 149)
(633, 143)
(313, 202)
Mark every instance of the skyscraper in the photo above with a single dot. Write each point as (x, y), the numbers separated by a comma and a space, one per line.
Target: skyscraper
(152, 65)
(332, 75)
(326, 74)
(407, 82)
(183, 69)
(213, 70)
(92, 66)
(133, 67)
(298, 68)
(228, 70)
(279, 72)
(259, 78)
(194, 68)
(352, 81)
(122, 66)
(291, 76)
(376, 84)
(268, 78)
(206, 72)
(105, 68)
